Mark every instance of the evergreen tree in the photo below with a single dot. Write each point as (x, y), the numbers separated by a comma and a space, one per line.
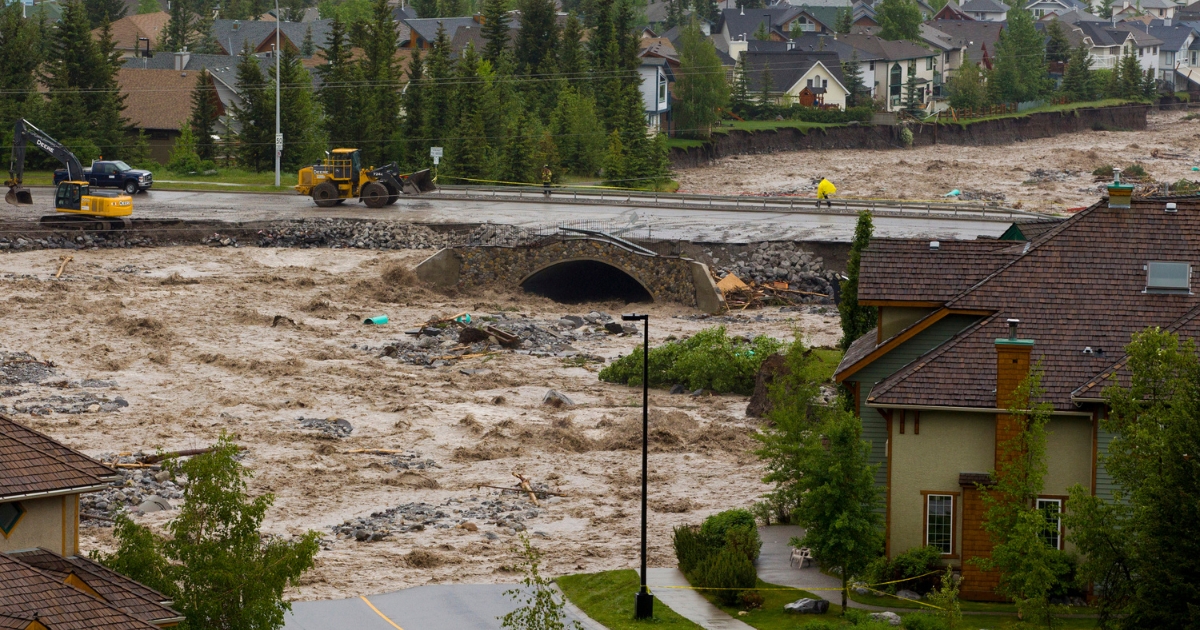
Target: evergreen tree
(518, 157)
(1149, 85)
(1077, 79)
(178, 32)
(204, 39)
(966, 87)
(1019, 72)
(381, 76)
(751, 4)
(451, 8)
(708, 10)
(413, 125)
(307, 47)
(203, 123)
(899, 19)
(467, 155)
(674, 14)
(603, 54)
(615, 161)
(495, 29)
(183, 157)
(292, 10)
(579, 133)
(100, 10)
(768, 84)
(1058, 48)
(845, 20)
(1106, 9)
(440, 119)
(426, 8)
(856, 90)
(761, 33)
(299, 114)
(1111, 79)
(106, 102)
(538, 36)
(739, 97)
(912, 102)
(340, 94)
(20, 56)
(572, 58)
(700, 87)
(256, 115)
(148, 6)
(856, 320)
(1131, 76)
(84, 106)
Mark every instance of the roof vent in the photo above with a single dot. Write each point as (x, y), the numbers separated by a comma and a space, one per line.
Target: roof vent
(1012, 327)
(934, 246)
(1087, 350)
(1171, 207)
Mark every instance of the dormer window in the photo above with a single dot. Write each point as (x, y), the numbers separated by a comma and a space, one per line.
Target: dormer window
(1168, 277)
(10, 513)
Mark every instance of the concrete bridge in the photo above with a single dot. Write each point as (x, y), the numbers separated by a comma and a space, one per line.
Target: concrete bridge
(591, 268)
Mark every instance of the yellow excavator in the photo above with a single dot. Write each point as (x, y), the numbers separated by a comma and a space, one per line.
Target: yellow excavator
(78, 206)
(341, 176)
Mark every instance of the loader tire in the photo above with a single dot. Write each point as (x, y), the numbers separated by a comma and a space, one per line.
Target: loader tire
(374, 194)
(393, 194)
(325, 195)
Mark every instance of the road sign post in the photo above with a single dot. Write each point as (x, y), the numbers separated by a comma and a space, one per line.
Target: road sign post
(436, 154)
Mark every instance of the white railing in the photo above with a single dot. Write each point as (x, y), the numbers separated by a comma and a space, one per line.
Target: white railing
(1104, 62)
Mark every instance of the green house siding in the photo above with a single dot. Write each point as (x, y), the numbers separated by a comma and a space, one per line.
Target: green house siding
(874, 425)
(1104, 481)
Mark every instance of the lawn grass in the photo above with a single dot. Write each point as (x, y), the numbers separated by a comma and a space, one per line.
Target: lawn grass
(760, 125)
(246, 181)
(830, 358)
(684, 143)
(772, 616)
(1061, 107)
(607, 597)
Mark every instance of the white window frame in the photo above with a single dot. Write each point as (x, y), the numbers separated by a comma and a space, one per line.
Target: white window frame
(1045, 502)
(928, 515)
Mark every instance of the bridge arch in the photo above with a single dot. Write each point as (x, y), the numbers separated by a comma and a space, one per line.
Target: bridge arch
(585, 279)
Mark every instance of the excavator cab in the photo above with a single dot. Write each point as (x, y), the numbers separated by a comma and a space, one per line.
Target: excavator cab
(69, 195)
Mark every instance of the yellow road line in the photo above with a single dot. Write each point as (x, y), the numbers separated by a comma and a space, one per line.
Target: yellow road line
(385, 618)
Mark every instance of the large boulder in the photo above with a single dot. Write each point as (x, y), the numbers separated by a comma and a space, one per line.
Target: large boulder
(760, 402)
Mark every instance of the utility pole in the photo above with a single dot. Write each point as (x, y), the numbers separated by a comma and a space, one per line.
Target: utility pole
(643, 601)
(278, 134)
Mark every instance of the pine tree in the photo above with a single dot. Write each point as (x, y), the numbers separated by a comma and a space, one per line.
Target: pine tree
(84, 106)
(845, 20)
(426, 8)
(603, 56)
(537, 38)
(203, 123)
(1131, 76)
(203, 38)
(1077, 78)
(299, 114)
(1149, 85)
(106, 102)
(761, 33)
(615, 161)
(495, 29)
(899, 19)
(857, 320)
(440, 119)
(178, 32)
(255, 115)
(519, 154)
(855, 88)
(1019, 71)
(1106, 9)
(708, 10)
(148, 6)
(674, 14)
(100, 10)
(768, 84)
(467, 155)
(700, 87)
(579, 132)
(340, 96)
(381, 76)
(307, 47)
(19, 59)
(1058, 48)
(413, 125)
(572, 59)
(912, 102)
(739, 97)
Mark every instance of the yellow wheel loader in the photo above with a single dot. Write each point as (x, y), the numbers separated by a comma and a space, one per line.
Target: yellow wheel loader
(341, 176)
(77, 204)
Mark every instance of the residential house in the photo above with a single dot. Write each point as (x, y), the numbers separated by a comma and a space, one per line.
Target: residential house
(797, 75)
(986, 10)
(951, 53)
(960, 325)
(1106, 44)
(158, 102)
(1175, 52)
(1040, 8)
(1147, 47)
(656, 78)
(963, 41)
(1161, 9)
(44, 581)
(742, 24)
(864, 15)
(233, 35)
(423, 31)
(1073, 16)
(136, 34)
(891, 63)
(951, 11)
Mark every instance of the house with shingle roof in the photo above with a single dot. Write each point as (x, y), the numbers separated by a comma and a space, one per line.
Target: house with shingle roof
(133, 33)
(961, 322)
(44, 581)
(890, 63)
(1174, 56)
(986, 10)
(795, 76)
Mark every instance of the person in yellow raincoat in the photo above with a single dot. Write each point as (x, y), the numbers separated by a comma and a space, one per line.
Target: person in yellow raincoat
(825, 190)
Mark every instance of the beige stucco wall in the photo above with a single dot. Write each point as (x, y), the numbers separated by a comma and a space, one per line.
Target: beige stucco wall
(949, 444)
(834, 95)
(42, 526)
(955, 442)
(893, 319)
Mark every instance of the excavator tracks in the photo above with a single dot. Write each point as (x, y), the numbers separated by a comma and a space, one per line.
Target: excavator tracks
(85, 223)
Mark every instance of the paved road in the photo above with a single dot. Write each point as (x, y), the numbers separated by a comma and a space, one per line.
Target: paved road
(433, 607)
(694, 224)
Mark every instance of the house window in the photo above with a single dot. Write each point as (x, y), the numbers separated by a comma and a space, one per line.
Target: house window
(662, 90)
(10, 513)
(1194, 55)
(895, 81)
(871, 64)
(929, 63)
(1141, 52)
(824, 83)
(1168, 277)
(1052, 510)
(912, 67)
(810, 83)
(939, 522)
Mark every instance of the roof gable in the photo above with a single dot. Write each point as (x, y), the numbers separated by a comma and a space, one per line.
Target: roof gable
(32, 463)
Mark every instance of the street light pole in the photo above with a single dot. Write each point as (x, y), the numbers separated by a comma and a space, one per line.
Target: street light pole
(278, 135)
(643, 604)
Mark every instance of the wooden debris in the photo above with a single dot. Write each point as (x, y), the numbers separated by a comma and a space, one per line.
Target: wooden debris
(547, 492)
(375, 451)
(506, 339)
(63, 265)
(775, 293)
(528, 488)
(187, 452)
(731, 283)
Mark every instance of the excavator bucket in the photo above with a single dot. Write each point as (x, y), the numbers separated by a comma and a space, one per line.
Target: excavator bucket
(419, 182)
(19, 196)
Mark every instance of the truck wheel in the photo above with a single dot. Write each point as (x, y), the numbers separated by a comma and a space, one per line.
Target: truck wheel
(374, 194)
(325, 195)
(131, 187)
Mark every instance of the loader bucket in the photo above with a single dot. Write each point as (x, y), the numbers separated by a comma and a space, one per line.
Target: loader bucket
(419, 182)
(19, 196)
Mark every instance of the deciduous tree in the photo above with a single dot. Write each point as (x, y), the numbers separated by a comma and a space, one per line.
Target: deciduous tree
(700, 88)
(898, 19)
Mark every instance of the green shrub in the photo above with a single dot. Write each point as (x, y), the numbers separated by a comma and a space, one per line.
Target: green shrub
(924, 621)
(715, 526)
(744, 540)
(1135, 170)
(708, 360)
(728, 571)
(1185, 187)
(750, 600)
(918, 561)
(1104, 171)
(690, 548)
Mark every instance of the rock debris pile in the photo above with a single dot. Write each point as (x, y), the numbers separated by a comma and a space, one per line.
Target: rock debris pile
(411, 460)
(137, 491)
(22, 368)
(329, 427)
(343, 233)
(508, 517)
(783, 262)
(85, 402)
(86, 241)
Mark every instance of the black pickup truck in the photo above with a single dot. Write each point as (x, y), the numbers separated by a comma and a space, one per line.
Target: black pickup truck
(112, 174)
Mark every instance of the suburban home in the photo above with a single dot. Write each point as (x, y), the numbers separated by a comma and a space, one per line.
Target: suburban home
(423, 31)
(44, 581)
(656, 78)
(742, 24)
(1073, 16)
(986, 10)
(951, 11)
(1146, 46)
(890, 63)
(1175, 52)
(233, 35)
(136, 34)
(1040, 8)
(159, 102)
(1106, 44)
(863, 15)
(1161, 9)
(797, 77)
(960, 325)
(973, 39)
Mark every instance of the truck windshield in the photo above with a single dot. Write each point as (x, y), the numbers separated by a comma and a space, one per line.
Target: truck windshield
(121, 166)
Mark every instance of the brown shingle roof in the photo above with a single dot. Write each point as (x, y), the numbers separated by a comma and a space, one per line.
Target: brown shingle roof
(123, 593)
(1081, 285)
(127, 30)
(928, 275)
(31, 462)
(25, 590)
(157, 99)
(12, 622)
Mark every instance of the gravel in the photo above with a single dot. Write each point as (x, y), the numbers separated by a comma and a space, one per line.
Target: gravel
(134, 487)
(783, 262)
(329, 427)
(505, 516)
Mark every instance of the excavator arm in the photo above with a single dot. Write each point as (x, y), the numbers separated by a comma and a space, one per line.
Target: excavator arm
(25, 133)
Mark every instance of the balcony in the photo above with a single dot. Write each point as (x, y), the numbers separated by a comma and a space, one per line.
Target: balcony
(1104, 62)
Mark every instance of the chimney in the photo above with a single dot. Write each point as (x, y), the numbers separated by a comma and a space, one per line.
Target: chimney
(791, 44)
(1012, 366)
(1119, 195)
(237, 24)
(181, 59)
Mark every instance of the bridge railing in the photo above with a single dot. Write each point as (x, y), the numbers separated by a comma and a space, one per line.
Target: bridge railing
(739, 203)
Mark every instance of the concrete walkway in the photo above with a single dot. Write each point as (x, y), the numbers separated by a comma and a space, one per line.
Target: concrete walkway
(688, 603)
(773, 567)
